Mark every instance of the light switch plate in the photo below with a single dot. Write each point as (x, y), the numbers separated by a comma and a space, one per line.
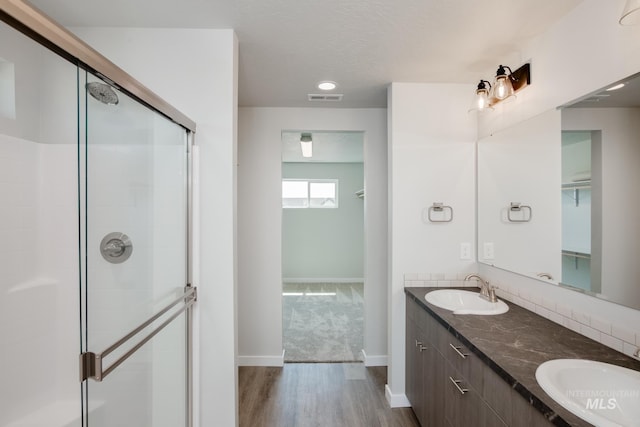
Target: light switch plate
(488, 250)
(465, 250)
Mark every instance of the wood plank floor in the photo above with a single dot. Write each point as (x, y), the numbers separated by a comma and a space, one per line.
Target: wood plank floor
(318, 395)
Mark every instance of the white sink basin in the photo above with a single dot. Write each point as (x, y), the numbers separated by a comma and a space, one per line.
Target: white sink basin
(604, 395)
(465, 302)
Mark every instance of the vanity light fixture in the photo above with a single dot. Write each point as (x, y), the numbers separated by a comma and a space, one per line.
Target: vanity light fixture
(306, 145)
(502, 85)
(630, 13)
(504, 88)
(481, 101)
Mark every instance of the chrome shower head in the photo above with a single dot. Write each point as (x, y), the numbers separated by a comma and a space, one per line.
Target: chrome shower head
(103, 93)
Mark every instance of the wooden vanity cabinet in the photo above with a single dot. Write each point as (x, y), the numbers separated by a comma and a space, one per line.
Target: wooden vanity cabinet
(424, 360)
(448, 385)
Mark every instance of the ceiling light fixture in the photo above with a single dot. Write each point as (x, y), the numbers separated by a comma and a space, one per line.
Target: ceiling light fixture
(504, 88)
(630, 13)
(327, 85)
(616, 87)
(306, 145)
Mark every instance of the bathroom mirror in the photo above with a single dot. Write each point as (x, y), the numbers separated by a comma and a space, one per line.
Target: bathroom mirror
(558, 198)
(519, 197)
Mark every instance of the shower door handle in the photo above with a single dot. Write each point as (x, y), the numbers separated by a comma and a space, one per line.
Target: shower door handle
(91, 364)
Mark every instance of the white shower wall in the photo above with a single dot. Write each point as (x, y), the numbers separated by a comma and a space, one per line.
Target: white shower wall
(39, 303)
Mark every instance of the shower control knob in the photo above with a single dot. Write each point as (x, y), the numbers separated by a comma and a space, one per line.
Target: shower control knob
(116, 247)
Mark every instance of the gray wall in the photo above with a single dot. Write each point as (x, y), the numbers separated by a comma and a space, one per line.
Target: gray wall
(325, 243)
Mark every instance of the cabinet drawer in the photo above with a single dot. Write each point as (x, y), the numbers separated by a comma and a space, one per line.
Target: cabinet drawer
(463, 405)
(498, 394)
(460, 357)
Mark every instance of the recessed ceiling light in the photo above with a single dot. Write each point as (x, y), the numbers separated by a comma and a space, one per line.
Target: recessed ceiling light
(327, 85)
(616, 87)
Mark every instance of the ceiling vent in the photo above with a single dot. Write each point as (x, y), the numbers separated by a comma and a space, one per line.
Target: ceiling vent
(325, 97)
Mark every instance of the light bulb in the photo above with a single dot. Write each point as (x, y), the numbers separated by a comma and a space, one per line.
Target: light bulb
(502, 88)
(482, 100)
(306, 145)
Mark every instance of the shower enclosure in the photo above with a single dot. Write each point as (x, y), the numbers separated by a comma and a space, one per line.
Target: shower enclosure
(95, 293)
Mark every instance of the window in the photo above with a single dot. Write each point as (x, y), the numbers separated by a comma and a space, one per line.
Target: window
(309, 193)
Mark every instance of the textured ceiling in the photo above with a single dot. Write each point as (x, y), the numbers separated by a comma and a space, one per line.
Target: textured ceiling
(287, 46)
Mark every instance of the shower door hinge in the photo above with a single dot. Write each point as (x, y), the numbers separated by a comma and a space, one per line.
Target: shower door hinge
(90, 366)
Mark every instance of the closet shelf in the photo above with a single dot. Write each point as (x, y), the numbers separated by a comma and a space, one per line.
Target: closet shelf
(574, 254)
(579, 185)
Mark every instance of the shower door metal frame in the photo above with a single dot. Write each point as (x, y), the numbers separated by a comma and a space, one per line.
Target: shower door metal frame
(32, 22)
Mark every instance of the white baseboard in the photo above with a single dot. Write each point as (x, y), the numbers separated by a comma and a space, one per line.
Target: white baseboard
(396, 400)
(273, 361)
(323, 280)
(374, 360)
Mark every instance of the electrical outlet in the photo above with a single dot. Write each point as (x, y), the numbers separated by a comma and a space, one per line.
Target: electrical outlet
(465, 250)
(488, 250)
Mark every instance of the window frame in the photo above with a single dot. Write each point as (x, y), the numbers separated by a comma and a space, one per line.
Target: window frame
(310, 181)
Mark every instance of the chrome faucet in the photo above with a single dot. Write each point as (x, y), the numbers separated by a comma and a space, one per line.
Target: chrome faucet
(486, 292)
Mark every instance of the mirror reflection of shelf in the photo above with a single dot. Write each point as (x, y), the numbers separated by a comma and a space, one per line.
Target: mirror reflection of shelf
(576, 186)
(573, 254)
(576, 255)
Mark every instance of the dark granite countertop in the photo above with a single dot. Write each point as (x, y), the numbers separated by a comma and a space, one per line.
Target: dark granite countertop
(515, 343)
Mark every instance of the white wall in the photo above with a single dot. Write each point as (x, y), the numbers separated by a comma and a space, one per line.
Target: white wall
(325, 244)
(572, 59)
(431, 159)
(259, 236)
(196, 71)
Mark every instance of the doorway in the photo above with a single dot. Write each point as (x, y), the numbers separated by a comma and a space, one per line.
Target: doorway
(323, 245)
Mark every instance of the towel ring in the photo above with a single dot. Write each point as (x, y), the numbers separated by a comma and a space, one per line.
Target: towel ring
(527, 212)
(439, 207)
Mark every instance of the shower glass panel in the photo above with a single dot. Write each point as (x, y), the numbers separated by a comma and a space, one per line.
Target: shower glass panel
(133, 214)
(39, 339)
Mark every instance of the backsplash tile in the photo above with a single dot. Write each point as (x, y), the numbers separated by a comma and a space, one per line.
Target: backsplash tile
(581, 317)
(438, 280)
(624, 334)
(629, 349)
(612, 342)
(589, 332)
(601, 325)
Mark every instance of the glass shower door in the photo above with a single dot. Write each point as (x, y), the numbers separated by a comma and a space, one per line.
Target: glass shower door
(133, 171)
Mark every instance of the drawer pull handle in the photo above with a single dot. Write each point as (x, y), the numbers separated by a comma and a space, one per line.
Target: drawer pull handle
(457, 384)
(457, 350)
